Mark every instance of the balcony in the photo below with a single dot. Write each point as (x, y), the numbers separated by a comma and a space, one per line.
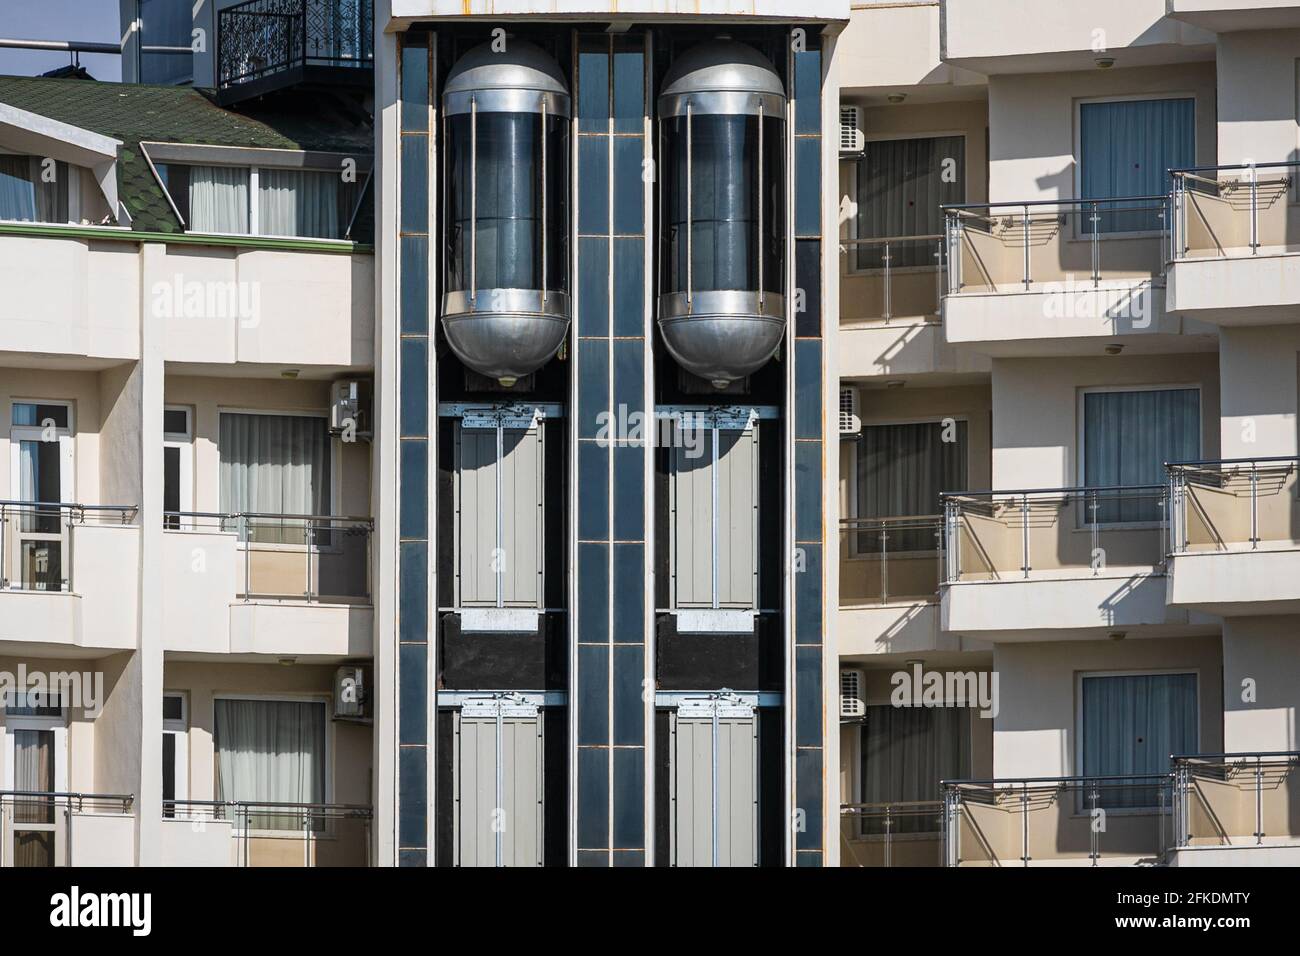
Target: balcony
(68, 574)
(891, 296)
(892, 834)
(248, 833)
(1061, 277)
(1235, 536)
(268, 45)
(40, 828)
(1065, 563)
(1235, 246)
(276, 584)
(1237, 809)
(890, 570)
(1058, 821)
(1226, 16)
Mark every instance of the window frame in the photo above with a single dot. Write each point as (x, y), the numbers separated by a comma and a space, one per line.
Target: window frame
(963, 135)
(1080, 439)
(66, 438)
(1080, 744)
(71, 183)
(1079, 102)
(327, 773)
(58, 726)
(179, 728)
(184, 443)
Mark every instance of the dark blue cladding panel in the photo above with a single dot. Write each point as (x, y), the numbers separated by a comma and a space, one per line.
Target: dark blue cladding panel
(414, 410)
(593, 479)
(414, 693)
(808, 798)
(808, 388)
(808, 696)
(593, 594)
(593, 703)
(629, 190)
(808, 595)
(415, 184)
(807, 92)
(412, 785)
(629, 590)
(414, 293)
(629, 797)
(593, 798)
(593, 286)
(629, 85)
(413, 603)
(593, 175)
(415, 89)
(629, 287)
(629, 378)
(593, 86)
(808, 280)
(808, 491)
(629, 696)
(629, 496)
(414, 465)
(807, 186)
(593, 387)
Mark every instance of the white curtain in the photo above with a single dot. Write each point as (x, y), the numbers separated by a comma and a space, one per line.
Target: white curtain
(298, 202)
(1128, 437)
(274, 464)
(906, 751)
(1131, 725)
(218, 199)
(271, 751)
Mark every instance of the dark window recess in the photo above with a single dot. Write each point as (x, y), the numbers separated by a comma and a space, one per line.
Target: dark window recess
(713, 661)
(176, 421)
(171, 488)
(530, 661)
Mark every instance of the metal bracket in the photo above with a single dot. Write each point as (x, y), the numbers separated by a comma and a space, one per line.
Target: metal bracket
(509, 704)
(724, 703)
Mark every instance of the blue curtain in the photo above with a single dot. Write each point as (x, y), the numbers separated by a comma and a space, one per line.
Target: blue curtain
(1128, 437)
(1131, 725)
(1126, 149)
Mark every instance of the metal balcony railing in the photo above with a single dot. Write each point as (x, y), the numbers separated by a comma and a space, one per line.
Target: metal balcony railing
(1222, 212)
(1054, 244)
(1236, 799)
(36, 543)
(38, 828)
(1233, 504)
(1054, 820)
(285, 834)
(898, 277)
(884, 560)
(290, 557)
(262, 40)
(1061, 532)
(905, 833)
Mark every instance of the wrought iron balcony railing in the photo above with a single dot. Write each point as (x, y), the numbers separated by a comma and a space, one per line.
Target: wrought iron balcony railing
(265, 44)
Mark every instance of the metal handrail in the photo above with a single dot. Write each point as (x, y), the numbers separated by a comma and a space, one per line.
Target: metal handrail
(1017, 492)
(1261, 765)
(75, 513)
(125, 799)
(885, 270)
(242, 818)
(1271, 471)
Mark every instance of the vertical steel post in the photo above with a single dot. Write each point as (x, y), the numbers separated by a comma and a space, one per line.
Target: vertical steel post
(1025, 246)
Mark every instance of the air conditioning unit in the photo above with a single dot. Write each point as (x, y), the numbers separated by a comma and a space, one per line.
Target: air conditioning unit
(351, 692)
(852, 704)
(850, 420)
(350, 407)
(852, 139)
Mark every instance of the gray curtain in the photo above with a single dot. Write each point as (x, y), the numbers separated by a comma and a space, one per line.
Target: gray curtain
(900, 189)
(271, 751)
(1128, 437)
(1131, 725)
(277, 465)
(902, 470)
(1127, 149)
(906, 751)
(299, 202)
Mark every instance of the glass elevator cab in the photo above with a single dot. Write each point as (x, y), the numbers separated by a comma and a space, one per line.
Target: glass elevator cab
(722, 210)
(505, 304)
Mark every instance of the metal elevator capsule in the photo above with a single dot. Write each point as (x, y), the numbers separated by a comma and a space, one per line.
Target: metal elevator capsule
(505, 304)
(722, 210)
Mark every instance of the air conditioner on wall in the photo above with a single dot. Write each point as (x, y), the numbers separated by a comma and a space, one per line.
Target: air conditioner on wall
(350, 407)
(351, 692)
(852, 139)
(850, 419)
(853, 706)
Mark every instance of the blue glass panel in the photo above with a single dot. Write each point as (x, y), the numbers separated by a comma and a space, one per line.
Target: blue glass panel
(415, 388)
(414, 292)
(415, 88)
(593, 192)
(593, 491)
(629, 185)
(414, 506)
(808, 388)
(593, 387)
(592, 698)
(629, 798)
(412, 788)
(413, 596)
(629, 687)
(629, 590)
(807, 92)
(629, 493)
(413, 693)
(593, 286)
(415, 184)
(629, 287)
(807, 187)
(593, 593)
(808, 696)
(593, 798)
(593, 85)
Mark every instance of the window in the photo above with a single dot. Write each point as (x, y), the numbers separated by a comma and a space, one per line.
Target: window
(178, 465)
(262, 201)
(270, 751)
(906, 751)
(901, 471)
(499, 495)
(274, 465)
(713, 499)
(1127, 438)
(901, 183)
(1131, 724)
(175, 752)
(41, 473)
(1126, 148)
(35, 756)
(33, 189)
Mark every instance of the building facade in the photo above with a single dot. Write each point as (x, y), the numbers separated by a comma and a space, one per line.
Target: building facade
(692, 436)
